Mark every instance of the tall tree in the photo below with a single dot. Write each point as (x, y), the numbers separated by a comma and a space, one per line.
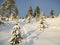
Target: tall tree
(52, 13)
(37, 12)
(8, 7)
(30, 12)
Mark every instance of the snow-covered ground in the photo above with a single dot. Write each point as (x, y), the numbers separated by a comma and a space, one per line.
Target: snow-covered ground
(31, 35)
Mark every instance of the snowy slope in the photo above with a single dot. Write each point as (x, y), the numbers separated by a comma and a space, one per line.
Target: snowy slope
(31, 34)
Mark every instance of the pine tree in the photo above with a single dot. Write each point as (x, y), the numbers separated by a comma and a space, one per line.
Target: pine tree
(37, 12)
(30, 12)
(8, 7)
(42, 25)
(43, 15)
(16, 37)
(52, 13)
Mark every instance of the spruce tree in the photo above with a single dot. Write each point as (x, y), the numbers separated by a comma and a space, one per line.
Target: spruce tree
(37, 12)
(30, 12)
(52, 13)
(8, 7)
(43, 15)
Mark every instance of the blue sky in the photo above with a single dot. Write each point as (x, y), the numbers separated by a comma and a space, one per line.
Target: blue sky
(45, 6)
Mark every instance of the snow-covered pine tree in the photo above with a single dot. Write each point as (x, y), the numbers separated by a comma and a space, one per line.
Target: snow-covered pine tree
(8, 7)
(42, 15)
(42, 25)
(16, 35)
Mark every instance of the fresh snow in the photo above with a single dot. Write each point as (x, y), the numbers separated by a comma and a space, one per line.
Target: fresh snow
(32, 36)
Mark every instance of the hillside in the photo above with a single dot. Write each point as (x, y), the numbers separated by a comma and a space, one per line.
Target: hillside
(31, 34)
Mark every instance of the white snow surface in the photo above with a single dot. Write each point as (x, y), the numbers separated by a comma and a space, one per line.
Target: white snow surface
(31, 34)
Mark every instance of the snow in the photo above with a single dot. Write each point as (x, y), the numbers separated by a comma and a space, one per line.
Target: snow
(31, 34)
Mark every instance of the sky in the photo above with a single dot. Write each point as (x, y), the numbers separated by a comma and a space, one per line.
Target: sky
(45, 6)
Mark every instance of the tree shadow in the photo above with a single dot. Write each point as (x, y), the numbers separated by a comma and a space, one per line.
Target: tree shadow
(28, 34)
(31, 39)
